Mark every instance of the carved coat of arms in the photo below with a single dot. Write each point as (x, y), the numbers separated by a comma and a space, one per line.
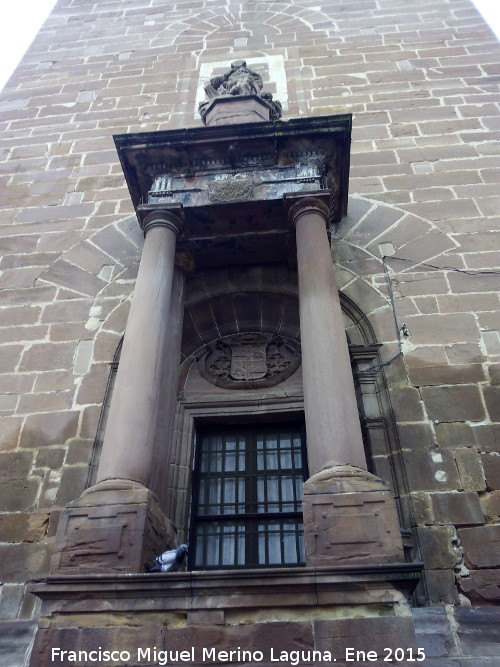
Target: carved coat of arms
(249, 360)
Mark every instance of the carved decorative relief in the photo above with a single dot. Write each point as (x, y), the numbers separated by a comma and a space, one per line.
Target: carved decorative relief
(247, 361)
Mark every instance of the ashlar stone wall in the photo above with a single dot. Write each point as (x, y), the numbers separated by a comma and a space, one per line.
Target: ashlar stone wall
(420, 244)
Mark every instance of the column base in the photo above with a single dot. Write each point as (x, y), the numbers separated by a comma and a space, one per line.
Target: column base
(350, 518)
(116, 526)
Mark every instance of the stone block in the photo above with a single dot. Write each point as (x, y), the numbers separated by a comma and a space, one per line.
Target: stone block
(364, 634)
(65, 638)
(10, 433)
(79, 451)
(487, 437)
(482, 586)
(490, 503)
(491, 465)
(441, 587)
(281, 636)
(22, 558)
(433, 633)
(478, 630)
(49, 429)
(422, 508)
(350, 519)
(440, 375)
(460, 509)
(453, 403)
(15, 639)
(481, 546)
(9, 362)
(431, 470)
(18, 494)
(442, 328)
(113, 527)
(22, 527)
(50, 457)
(407, 405)
(240, 109)
(10, 600)
(72, 484)
(470, 469)
(492, 400)
(15, 464)
(439, 548)
(93, 386)
(414, 436)
(205, 617)
(47, 357)
(53, 401)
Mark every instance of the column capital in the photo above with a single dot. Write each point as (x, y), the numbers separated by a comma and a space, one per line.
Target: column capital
(162, 217)
(307, 205)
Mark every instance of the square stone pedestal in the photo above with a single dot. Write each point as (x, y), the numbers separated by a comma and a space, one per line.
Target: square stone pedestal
(234, 110)
(114, 527)
(350, 518)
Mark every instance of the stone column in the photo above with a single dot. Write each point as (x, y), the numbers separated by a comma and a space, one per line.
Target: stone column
(333, 428)
(118, 524)
(129, 443)
(349, 515)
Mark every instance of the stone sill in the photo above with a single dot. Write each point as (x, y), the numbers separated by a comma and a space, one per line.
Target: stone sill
(288, 587)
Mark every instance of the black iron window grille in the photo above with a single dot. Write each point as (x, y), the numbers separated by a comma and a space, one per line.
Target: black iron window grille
(247, 496)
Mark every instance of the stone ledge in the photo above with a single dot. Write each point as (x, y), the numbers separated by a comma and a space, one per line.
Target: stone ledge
(388, 584)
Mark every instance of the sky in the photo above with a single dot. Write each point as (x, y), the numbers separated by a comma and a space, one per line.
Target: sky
(20, 20)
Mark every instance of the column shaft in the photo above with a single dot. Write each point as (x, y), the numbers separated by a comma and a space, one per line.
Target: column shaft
(332, 421)
(129, 444)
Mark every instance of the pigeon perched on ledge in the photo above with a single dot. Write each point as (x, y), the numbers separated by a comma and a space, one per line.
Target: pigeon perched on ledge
(170, 561)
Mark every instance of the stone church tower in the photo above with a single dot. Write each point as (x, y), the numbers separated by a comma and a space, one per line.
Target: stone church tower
(249, 302)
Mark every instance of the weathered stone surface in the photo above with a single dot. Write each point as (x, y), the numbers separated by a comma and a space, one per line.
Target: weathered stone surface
(11, 596)
(487, 437)
(17, 559)
(492, 400)
(461, 509)
(52, 428)
(491, 464)
(50, 457)
(15, 464)
(439, 375)
(438, 545)
(22, 527)
(454, 403)
(470, 469)
(414, 436)
(15, 639)
(93, 385)
(48, 357)
(407, 404)
(431, 470)
(443, 329)
(482, 586)
(441, 587)
(422, 509)
(481, 546)
(205, 617)
(365, 634)
(478, 630)
(79, 451)
(10, 432)
(490, 503)
(72, 484)
(432, 632)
